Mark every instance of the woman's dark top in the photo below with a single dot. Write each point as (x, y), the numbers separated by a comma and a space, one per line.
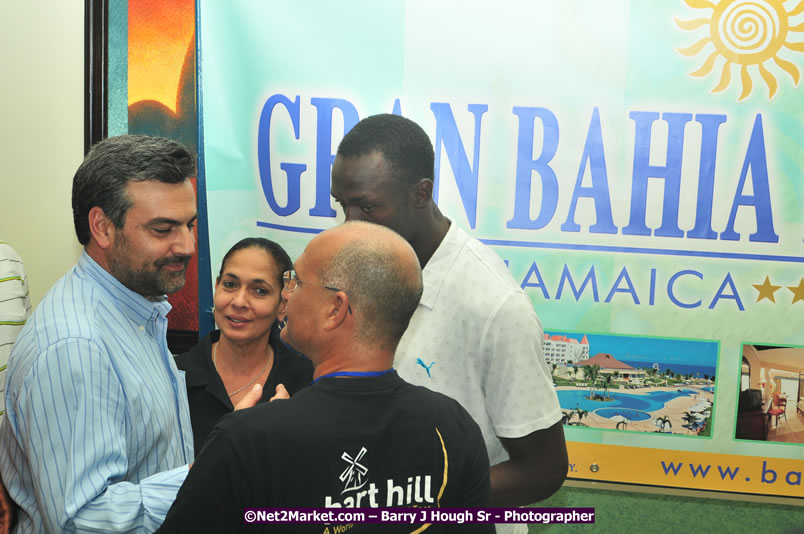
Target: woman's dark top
(205, 390)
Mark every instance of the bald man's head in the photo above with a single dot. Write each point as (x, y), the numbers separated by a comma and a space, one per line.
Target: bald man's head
(380, 273)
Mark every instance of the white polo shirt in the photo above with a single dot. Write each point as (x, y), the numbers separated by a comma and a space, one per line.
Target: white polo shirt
(476, 332)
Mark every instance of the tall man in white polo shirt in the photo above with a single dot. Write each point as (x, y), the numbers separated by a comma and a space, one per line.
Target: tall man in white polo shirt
(475, 335)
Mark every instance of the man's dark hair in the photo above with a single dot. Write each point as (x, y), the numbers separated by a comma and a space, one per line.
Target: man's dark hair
(406, 147)
(274, 250)
(114, 162)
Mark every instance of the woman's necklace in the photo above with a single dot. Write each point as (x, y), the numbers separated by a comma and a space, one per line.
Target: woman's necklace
(233, 393)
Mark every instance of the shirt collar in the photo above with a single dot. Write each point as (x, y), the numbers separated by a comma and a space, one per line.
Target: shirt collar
(129, 302)
(440, 264)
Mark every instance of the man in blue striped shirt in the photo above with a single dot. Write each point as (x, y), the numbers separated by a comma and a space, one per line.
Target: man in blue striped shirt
(97, 434)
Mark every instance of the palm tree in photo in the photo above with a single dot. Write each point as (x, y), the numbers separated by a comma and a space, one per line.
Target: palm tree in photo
(574, 372)
(592, 372)
(652, 373)
(690, 420)
(554, 366)
(606, 383)
(566, 417)
(663, 422)
(667, 373)
(581, 413)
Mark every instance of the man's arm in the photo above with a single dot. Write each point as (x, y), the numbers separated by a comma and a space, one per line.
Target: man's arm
(523, 406)
(72, 430)
(535, 470)
(212, 497)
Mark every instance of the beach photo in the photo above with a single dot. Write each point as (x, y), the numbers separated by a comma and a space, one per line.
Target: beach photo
(770, 406)
(637, 384)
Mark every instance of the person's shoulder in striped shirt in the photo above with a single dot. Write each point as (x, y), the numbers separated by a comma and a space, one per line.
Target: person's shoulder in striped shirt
(15, 307)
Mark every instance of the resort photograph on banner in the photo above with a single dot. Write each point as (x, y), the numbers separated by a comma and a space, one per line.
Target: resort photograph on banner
(770, 406)
(637, 384)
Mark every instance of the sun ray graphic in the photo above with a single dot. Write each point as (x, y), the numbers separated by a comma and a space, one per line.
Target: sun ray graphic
(747, 34)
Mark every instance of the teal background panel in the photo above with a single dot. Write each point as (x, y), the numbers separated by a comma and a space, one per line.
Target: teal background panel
(616, 511)
(117, 87)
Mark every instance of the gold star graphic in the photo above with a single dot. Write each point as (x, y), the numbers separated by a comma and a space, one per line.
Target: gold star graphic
(766, 290)
(798, 292)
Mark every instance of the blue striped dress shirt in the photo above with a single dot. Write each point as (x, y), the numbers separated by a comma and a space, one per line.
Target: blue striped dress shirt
(97, 433)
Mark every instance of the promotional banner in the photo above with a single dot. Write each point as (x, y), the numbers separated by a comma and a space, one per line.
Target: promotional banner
(161, 101)
(636, 164)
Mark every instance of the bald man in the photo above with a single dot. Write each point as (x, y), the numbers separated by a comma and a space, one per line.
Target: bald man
(359, 436)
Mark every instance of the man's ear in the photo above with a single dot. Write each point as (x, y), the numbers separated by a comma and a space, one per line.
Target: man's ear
(101, 228)
(337, 310)
(422, 192)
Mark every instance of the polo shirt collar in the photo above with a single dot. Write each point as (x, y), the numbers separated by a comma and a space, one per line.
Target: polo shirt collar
(199, 369)
(440, 264)
(132, 304)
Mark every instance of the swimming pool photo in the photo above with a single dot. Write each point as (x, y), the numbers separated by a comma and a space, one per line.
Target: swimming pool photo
(647, 402)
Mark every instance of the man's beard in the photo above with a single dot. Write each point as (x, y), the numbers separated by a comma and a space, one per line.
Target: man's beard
(149, 280)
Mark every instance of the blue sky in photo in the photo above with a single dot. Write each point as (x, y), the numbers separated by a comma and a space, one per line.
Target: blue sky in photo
(651, 350)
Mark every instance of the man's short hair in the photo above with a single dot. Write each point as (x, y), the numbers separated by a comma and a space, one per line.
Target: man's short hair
(384, 289)
(114, 162)
(406, 147)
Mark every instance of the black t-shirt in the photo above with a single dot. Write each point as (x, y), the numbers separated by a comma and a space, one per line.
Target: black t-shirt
(372, 442)
(207, 395)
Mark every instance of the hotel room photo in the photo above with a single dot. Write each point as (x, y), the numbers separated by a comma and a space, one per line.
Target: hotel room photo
(771, 401)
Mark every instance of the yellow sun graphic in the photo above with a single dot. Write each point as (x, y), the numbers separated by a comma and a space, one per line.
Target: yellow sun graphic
(745, 33)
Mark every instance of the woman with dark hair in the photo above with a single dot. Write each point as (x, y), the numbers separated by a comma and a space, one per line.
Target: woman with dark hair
(245, 350)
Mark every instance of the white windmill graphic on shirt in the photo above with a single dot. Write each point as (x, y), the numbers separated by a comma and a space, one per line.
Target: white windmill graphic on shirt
(354, 476)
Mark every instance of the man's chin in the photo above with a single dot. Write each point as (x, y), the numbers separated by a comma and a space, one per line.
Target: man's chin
(172, 283)
(284, 337)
